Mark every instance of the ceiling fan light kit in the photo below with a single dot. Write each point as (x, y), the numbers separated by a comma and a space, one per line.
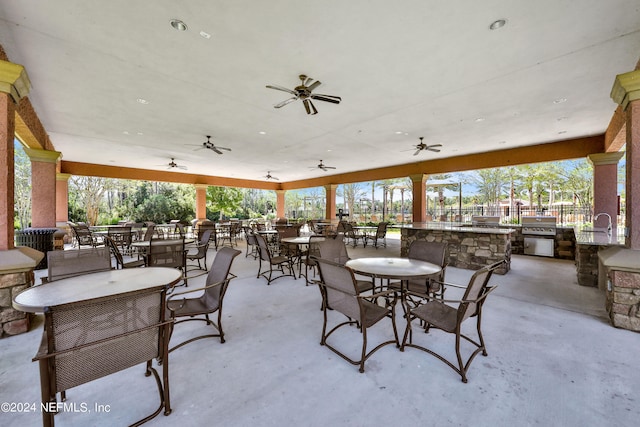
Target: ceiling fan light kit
(304, 92)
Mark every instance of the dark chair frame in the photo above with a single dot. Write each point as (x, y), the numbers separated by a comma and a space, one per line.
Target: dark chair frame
(201, 254)
(120, 263)
(211, 299)
(436, 314)
(278, 261)
(380, 234)
(340, 294)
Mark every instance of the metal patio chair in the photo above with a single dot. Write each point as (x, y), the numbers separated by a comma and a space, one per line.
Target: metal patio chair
(437, 314)
(201, 251)
(342, 296)
(210, 302)
(278, 262)
(120, 262)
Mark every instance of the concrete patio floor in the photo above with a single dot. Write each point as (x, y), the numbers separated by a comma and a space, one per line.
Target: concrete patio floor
(554, 360)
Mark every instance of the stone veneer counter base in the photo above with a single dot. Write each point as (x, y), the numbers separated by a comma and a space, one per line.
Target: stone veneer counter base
(468, 247)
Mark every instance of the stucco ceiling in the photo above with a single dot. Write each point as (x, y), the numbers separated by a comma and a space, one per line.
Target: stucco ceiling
(404, 70)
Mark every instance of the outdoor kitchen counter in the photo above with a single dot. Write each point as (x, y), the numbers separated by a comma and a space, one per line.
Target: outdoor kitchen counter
(589, 242)
(468, 247)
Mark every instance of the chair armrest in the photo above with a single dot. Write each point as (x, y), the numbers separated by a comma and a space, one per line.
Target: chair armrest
(194, 290)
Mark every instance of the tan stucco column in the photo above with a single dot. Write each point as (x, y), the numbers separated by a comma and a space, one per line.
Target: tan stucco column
(330, 212)
(280, 211)
(43, 186)
(62, 198)
(201, 201)
(14, 85)
(626, 92)
(605, 186)
(419, 193)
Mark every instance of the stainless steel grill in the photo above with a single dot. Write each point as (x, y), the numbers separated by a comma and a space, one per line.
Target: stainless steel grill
(539, 225)
(539, 235)
(485, 221)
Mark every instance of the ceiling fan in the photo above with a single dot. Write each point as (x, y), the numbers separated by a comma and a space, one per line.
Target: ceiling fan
(210, 146)
(303, 91)
(173, 165)
(322, 166)
(268, 176)
(422, 146)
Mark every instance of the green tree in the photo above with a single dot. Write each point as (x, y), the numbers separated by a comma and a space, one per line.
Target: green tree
(224, 200)
(22, 186)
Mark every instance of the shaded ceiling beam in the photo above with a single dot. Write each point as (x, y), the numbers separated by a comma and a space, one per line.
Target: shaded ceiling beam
(105, 171)
(561, 150)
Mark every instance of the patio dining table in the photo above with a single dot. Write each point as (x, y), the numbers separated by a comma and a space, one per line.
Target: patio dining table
(398, 268)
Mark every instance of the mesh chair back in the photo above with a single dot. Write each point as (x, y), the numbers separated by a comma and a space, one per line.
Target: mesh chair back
(95, 321)
(381, 231)
(333, 250)
(475, 289)
(121, 235)
(263, 249)
(219, 273)
(433, 252)
(63, 264)
(163, 253)
(148, 235)
(340, 287)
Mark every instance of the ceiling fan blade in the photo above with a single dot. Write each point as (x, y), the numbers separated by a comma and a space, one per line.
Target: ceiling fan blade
(329, 167)
(284, 89)
(322, 95)
(306, 106)
(434, 145)
(224, 148)
(333, 99)
(435, 150)
(215, 149)
(416, 153)
(313, 108)
(285, 102)
(313, 85)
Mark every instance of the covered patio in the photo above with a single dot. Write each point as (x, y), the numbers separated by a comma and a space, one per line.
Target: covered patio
(554, 359)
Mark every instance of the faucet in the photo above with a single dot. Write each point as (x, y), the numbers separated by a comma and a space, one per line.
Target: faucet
(608, 216)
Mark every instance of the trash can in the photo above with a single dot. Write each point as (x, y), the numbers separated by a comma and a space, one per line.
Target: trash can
(37, 238)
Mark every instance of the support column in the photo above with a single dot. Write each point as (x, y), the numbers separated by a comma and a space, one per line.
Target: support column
(43, 186)
(633, 169)
(14, 86)
(330, 190)
(626, 92)
(419, 193)
(201, 201)
(7, 171)
(605, 187)
(62, 198)
(280, 210)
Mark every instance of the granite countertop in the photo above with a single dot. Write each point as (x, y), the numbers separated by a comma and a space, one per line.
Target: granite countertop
(599, 236)
(454, 226)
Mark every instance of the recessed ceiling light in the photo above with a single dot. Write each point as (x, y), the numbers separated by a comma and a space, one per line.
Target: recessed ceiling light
(399, 132)
(178, 25)
(142, 101)
(497, 24)
(126, 132)
(205, 35)
(559, 100)
(479, 119)
(262, 132)
(140, 133)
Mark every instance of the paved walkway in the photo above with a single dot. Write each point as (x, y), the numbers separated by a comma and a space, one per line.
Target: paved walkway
(554, 360)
